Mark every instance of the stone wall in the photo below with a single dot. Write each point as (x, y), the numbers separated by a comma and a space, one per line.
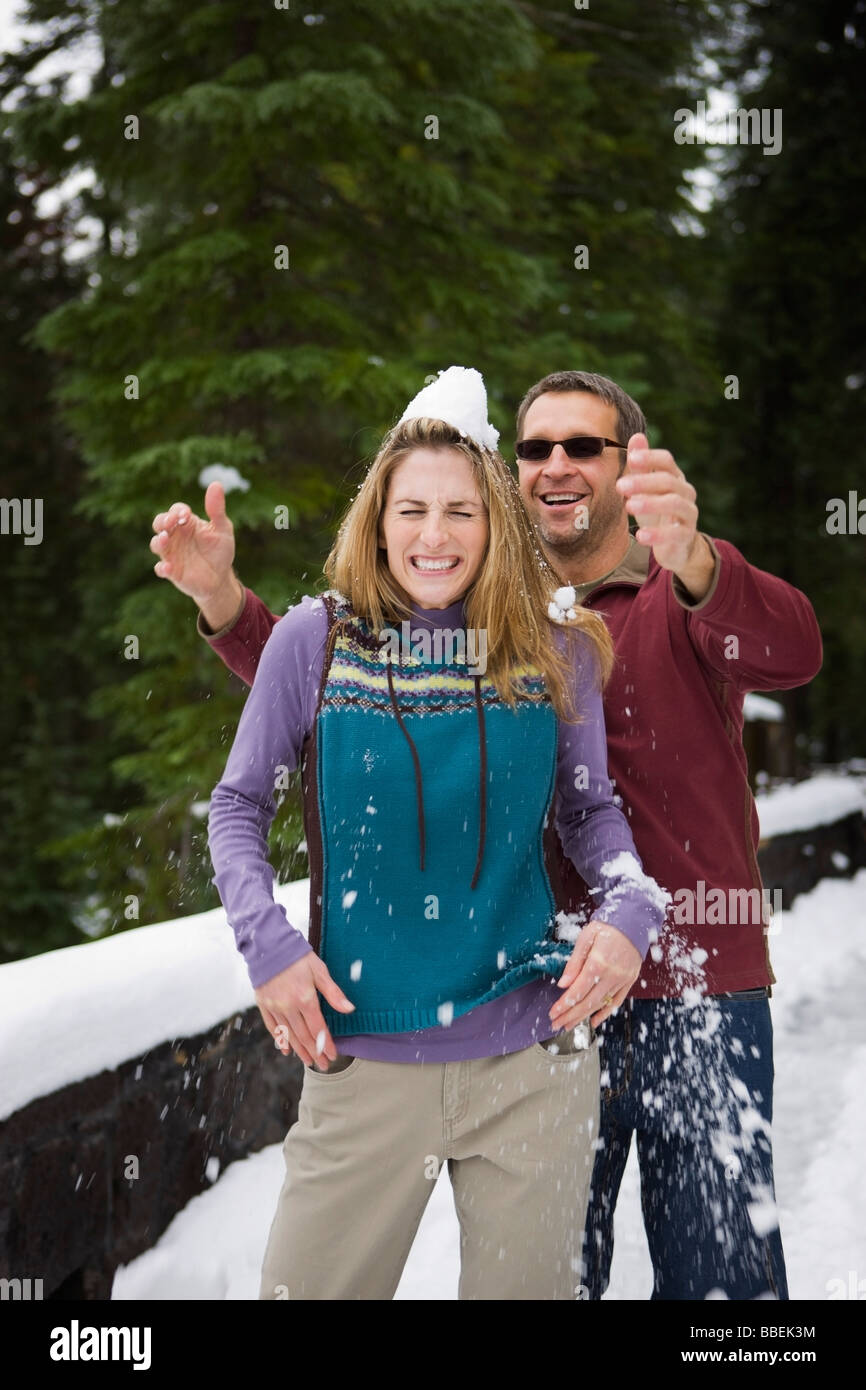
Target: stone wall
(178, 1114)
(798, 861)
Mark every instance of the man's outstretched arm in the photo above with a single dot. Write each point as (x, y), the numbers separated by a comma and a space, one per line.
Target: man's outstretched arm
(197, 556)
(241, 641)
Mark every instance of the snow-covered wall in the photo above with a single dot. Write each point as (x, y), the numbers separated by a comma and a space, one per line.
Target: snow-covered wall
(75, 1012)
(111, 1000)
(821, 800)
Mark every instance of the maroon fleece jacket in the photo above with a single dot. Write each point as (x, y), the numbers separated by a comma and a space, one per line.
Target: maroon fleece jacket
(674, 714)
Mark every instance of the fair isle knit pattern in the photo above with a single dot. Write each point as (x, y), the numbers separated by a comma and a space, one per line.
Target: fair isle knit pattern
(426, 800)
(358, 677)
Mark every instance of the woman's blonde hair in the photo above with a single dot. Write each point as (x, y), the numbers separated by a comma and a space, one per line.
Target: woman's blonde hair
(509, 597)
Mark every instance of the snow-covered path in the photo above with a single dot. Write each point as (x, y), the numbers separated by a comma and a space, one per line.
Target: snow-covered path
(213, 1248)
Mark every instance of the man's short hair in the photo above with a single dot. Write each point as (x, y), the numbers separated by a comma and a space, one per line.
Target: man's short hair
(630, 417)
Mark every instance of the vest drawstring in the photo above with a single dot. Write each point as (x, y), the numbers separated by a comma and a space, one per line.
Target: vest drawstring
(482, 780)
(419, 784)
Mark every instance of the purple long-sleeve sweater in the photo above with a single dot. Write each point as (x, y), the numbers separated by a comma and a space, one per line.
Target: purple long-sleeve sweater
(276, 720)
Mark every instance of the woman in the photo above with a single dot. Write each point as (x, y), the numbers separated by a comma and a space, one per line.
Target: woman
(428, 780)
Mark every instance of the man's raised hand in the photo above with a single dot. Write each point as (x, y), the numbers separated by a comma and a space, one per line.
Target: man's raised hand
(662, 499)
(197, 555)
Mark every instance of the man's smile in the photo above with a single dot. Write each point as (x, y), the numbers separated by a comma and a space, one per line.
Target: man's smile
(561, 499)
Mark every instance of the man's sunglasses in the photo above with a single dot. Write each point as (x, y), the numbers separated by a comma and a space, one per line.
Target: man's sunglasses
(580, 446)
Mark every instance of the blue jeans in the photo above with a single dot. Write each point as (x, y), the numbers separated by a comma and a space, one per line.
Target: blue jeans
(695, 1084)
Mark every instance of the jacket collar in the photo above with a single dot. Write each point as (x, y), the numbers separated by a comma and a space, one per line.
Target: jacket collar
(633, 568)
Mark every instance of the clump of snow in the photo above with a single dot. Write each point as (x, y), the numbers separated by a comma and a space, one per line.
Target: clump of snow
(355, 970)
(569, 925)
(625, 866)
(459, 397)
(582, 1036)
(763, 1214)
(349, 898)
(445, 1014)
(561, 607)
(692, 996)
(220, 473)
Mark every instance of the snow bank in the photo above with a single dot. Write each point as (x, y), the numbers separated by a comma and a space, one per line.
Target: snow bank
(819, 801)
(68, 1014)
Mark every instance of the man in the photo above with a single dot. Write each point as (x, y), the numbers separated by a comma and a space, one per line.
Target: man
(687, 1044)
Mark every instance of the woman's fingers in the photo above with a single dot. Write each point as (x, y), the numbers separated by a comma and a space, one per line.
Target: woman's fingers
(588, 1008)
(611, 962)
(295, 1042)
(606, 1010)
(328, 986)
(582, 948)
(573, 1007)
(309, 1028)
(598, 1005)
(268, 1018)
(278, 1031)
(291, 1001)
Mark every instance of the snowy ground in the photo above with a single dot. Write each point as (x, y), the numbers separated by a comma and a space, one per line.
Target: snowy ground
(213, 1248)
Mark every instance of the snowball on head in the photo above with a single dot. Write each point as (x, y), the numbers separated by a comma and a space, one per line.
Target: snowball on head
(457, 396)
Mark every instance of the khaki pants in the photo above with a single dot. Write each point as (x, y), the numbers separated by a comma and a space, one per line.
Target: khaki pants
(517, 1132)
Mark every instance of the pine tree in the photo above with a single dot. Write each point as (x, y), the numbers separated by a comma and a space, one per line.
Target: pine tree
(793, 325)
(304, 215)
(49, 777)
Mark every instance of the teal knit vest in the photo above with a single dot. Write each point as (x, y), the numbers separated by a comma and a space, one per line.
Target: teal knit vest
(426, 798)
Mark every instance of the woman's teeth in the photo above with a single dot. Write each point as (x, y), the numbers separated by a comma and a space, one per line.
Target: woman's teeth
(433, 566)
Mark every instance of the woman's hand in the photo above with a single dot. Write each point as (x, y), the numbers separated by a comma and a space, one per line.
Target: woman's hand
(289, 1005)
(603, 967)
